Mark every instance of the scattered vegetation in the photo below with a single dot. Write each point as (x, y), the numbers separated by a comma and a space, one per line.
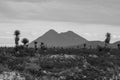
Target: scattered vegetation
(63, 64)
(45, 63)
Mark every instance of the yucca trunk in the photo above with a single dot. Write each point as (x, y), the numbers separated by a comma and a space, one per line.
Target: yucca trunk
(17, 41)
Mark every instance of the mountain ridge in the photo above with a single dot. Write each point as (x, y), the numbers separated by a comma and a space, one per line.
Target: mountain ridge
(67, 39)
(64, 39)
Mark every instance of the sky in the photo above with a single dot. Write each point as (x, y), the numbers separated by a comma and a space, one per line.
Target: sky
(91, 19)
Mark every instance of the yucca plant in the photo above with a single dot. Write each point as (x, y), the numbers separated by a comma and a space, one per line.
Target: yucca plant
(84, 45)
(107, 40)
(42, 46)
(17, 33)
(118, 46)
(35, 44)
(25, 41)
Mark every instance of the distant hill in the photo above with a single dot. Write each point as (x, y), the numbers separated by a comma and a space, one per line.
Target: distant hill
(65, 39)
(114, 45)
(94, 44)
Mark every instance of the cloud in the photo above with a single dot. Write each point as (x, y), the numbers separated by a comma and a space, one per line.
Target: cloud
(80, 11)
(26, 0)
(116, 36)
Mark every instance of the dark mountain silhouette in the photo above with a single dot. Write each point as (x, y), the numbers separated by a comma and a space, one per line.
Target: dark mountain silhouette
(68, 39)
(92, 44)
(95, 44)
(114, 45)
(54, 39)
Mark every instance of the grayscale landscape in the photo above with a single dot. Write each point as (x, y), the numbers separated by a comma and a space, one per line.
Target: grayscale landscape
(59, 40)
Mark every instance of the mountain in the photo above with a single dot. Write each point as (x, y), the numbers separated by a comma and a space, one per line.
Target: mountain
(65, 39)
(94, 44)
(114, 45)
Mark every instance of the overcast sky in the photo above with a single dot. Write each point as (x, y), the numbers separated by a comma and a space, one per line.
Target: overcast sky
(88, 18)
